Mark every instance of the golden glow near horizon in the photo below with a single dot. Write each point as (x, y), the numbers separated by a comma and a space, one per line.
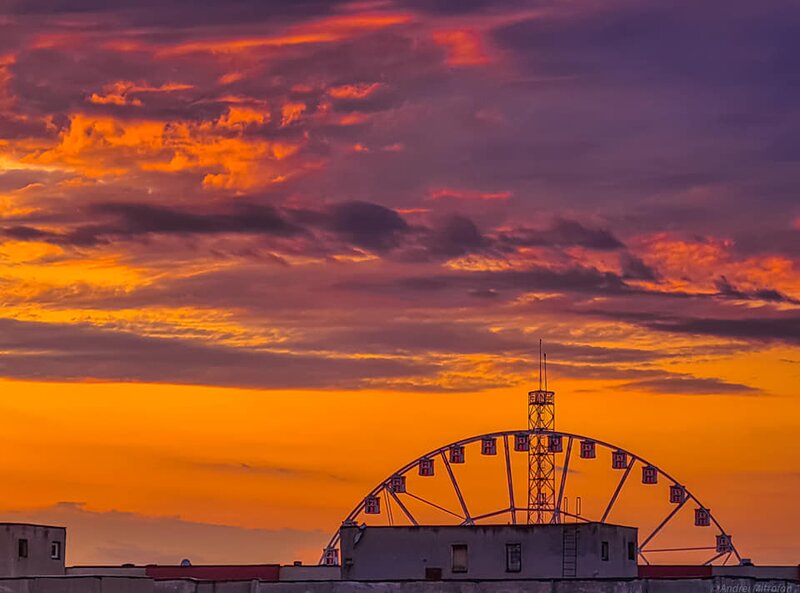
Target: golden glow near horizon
(252, 261)
(300, 460)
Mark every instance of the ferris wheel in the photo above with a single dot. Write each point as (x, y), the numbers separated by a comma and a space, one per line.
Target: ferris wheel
(541, 475)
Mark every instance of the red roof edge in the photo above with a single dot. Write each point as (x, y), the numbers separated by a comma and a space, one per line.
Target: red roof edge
(660, 571)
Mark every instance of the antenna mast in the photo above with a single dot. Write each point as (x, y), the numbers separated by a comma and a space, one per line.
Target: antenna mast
(541, 462)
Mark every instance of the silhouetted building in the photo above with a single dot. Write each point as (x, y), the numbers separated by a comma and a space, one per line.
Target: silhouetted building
(509, 552)
(31, 550)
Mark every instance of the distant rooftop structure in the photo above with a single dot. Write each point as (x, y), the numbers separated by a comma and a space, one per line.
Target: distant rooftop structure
(31, 550)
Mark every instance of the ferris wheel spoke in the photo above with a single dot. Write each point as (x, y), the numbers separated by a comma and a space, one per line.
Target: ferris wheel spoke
(720, 555)
(691, 549)
(403, 508)
(661, 525)
(643, 557)
(492, 514)
(618, 489)
(467, 517)
(332, 545)
(510, 482)
(564, 472)
(389, 513)
(436, 506)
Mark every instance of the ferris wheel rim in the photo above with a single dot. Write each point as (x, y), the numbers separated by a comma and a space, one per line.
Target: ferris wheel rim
(382, 486)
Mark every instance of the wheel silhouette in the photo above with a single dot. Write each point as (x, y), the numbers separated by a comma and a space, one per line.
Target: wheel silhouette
(482, 480)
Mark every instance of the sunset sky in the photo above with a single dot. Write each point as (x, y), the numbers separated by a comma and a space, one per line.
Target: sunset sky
(255, 255)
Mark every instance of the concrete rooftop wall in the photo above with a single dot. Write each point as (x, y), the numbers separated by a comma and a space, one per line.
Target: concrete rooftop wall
(715, 585)
(143, 585)
(77, 585)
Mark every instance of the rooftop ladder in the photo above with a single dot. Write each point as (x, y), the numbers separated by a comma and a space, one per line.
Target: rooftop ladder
(569, 557)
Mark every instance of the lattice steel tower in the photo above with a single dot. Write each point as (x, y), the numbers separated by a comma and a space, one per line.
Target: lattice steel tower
(542, 506)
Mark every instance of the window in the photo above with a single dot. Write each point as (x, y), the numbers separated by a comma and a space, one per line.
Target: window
(459, 557)
(22, 548)
(631, 551)
(55, 550)
(513, 557)
(604, 551)
(433, 573)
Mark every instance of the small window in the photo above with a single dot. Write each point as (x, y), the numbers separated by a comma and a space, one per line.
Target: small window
(631, 551)
(604, 551)
(433, 573)
(459, 556)
(513, 557)
(55, 550)
(22, 548)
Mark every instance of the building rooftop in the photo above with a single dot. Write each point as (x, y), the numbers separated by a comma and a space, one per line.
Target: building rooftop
(494, 526)
(20, 524)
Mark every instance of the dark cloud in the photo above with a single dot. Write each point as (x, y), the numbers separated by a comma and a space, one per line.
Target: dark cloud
(365, 225)
(53, 352)
(459, 7)
(462, 337)
(178, 13)
(27, 233)
(427, 336)
(633, 268)
(368, 225)
(424, 336)
(584, 353)
(727, 290)
(456, 236)
(777, 327)
(133, 220)
(607, 372)
(784, 328)
(680, 385)
(275, 471)
(565, 233)
(576, 279)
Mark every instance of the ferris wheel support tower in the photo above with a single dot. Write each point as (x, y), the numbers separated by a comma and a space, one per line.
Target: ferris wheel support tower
(543, 504)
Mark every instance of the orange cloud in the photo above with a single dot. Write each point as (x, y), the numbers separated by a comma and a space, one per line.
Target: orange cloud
(462, 47)
(50, 40)
(238, 117)
(456, 194)
(124, 45)
(352, 119)
(697, 265)
(230, 77)
(104, 146)
(353, 91)
(7, 99)
(325, 30)
(291, 112)
(118, 93)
